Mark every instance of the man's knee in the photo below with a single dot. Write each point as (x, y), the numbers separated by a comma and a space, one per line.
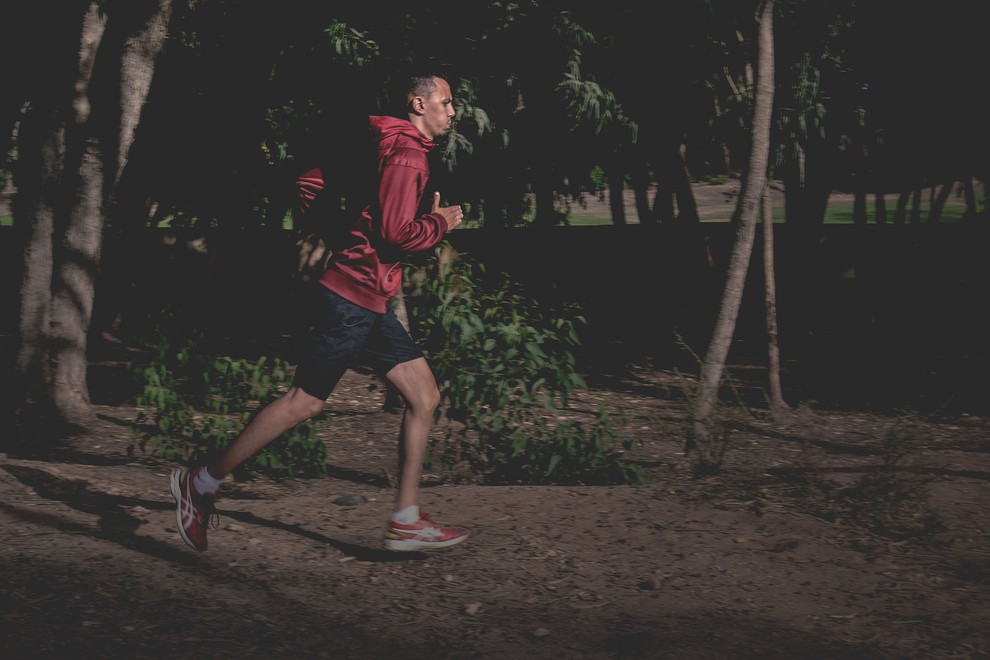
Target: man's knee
(431, 396)
(424, 397)
(415, 382)
(304, 405)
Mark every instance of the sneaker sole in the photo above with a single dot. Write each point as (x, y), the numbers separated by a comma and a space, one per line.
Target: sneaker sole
(409, 545)
(177, 496)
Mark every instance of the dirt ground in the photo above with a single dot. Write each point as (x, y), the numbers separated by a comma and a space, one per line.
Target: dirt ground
(814, 540)
(825, 534)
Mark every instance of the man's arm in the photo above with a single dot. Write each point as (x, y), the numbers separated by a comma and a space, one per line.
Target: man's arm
(398, 197)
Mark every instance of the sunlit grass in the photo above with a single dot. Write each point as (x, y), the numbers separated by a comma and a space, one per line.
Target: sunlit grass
(838, 212)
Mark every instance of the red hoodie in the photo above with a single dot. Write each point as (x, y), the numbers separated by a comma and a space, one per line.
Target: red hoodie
(367, 270)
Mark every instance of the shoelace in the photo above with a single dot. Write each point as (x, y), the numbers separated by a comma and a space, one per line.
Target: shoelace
(209, 515)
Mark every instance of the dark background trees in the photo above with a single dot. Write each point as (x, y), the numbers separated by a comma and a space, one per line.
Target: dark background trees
(873, 98)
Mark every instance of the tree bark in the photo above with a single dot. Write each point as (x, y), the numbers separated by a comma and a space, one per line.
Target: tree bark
(641, 189)
(81, 135)
(616, 194)
(749, 201)
(970, 196)
(777, 403)
(687, 206)
(859, 207)
(900, 210)
(916, 206)
(880, 209)
(938, 201)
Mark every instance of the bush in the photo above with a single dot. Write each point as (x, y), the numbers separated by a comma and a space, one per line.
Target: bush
(195, 404)
(505, 364)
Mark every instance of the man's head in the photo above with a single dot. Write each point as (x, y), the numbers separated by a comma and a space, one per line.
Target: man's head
(429, 104)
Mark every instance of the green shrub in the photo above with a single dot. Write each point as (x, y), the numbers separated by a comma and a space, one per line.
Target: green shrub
(505, 364)
(195, 404)
(518, 445)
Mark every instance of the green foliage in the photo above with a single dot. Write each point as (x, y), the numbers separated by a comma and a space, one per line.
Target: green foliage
(195, 404)
(716, 179)
(599, 181)
(506, 365)
(352, 45)
(519, 445)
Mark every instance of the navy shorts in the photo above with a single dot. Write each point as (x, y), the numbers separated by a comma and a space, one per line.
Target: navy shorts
(343, 335)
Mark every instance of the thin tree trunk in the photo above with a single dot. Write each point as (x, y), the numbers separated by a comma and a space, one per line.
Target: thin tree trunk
(616, 194)
(749, 200)
(880, 209)
(641, 189)
(859, 206)
(687, 206)
(970, 196)
(546, 216)
(900, 211)
(916, 206)
(938, 201)
(777, 403)
(663, 200)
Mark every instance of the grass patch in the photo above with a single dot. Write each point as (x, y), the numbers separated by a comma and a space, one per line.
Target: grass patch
(838, 212)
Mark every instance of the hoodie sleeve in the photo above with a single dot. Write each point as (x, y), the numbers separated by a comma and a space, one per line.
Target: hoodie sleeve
(403, 182)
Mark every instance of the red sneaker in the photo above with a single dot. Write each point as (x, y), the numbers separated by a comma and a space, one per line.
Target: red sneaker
(193, 512)
(421, 535)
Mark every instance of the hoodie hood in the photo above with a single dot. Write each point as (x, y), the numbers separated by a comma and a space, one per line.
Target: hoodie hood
(385, 127)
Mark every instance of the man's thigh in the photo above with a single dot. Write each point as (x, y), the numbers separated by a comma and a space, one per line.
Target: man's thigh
(337, 340)
(389, 345)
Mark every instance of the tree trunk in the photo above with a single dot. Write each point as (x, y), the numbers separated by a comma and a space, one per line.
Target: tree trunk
(970, 196)
(859, 206)
(777, 403)
(81, 135)
(916, 206)
(641, 192)
(687, 206)
(31, 369)
(938, 202)
(543, 195)
(749, 201)
(900, 211)
(880, 209)
(616, 194)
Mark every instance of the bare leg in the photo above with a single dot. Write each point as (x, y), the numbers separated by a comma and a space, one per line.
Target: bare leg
(293, 408)
(415, 382)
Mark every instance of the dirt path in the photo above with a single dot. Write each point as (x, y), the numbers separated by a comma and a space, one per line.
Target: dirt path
(786, 553)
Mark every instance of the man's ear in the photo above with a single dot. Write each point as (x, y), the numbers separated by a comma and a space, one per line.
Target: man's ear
(418, 105)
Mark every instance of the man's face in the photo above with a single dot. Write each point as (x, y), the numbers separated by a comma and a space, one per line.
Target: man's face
(438, 110)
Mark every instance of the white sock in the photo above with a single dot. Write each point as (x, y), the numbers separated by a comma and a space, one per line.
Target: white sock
(204, 483)
(406, 516)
